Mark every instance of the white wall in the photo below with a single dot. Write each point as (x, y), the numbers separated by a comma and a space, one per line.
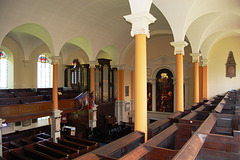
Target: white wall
(218, 83)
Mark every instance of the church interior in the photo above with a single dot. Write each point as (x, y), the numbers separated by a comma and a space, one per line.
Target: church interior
(111, 79)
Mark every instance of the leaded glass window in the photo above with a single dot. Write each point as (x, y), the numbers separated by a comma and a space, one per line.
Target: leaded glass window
(44, 72)
(3, 70)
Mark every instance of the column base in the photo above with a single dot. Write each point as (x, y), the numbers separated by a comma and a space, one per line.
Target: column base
(56, 124)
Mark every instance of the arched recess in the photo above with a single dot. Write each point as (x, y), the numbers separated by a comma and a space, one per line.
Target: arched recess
(108, 52)
(77, 47)
(10, 69)
(105, 55)
(29, 36)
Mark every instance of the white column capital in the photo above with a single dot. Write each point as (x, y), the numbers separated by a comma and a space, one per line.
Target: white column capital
(140, 22)
(121, 67)
(179, 47)
(55, 59)
(195, 57)
(204, 62)
(92, 64)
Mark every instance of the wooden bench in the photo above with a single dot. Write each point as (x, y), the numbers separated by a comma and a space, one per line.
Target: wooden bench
(82, 149)
(31, 99)
(7, 95)
(25, 94)
(194, 117)
(33, 153)
(122, 146)
(50, 151)
(73, 152)
(17, 156)
(9, 101)
(92, 145)
(158, 126)
(20, 90)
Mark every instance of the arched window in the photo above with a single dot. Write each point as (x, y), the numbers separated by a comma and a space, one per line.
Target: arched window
(44, 72)
(3, 70)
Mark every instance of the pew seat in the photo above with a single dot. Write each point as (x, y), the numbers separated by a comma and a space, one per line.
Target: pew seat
(25, 94)
(31, 99)
(9, 101)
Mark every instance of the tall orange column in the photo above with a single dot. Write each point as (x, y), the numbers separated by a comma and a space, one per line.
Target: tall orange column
(195, 60)
(55, 86)
(92, 75)
(179, 83)
(92, 86)
(205, 79)
(140, 84)
(196, 82)
(56, 114)
(120, 103)
(131, 84)
(179, 52)
(200, 82)
(140, 22)
(120, 84)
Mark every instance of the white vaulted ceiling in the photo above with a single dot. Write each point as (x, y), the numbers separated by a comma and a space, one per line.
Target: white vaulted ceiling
(95, 26)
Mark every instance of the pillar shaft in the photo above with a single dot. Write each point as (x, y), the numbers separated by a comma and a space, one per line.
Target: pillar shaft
(92, 86)
(200, 82)
(205, 84)
(56, 114)
(179, 83)
(154, 95)
(196, 82)
(140, 84)
(120, 84)
(55, 86)
(132, 85)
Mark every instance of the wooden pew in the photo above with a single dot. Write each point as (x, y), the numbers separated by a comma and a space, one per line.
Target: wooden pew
(17, 156)
(7, 95)
(25, 94)
(178, 115)
(9, 101)
(33, 153)
(73, 152)
(120, 147)
(20, 90)
(158, 126)
(50, 151)
(31, 99)
(194, 118)
(82, 149)
(195, 143)
(92, 145)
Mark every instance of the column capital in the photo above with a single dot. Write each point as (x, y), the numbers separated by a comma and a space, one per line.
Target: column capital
(26, 62)
(204, 62)
(195, 57)
(179, 47)
(55, 59)
(140, 22)
(121, 67)
(92, 64)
